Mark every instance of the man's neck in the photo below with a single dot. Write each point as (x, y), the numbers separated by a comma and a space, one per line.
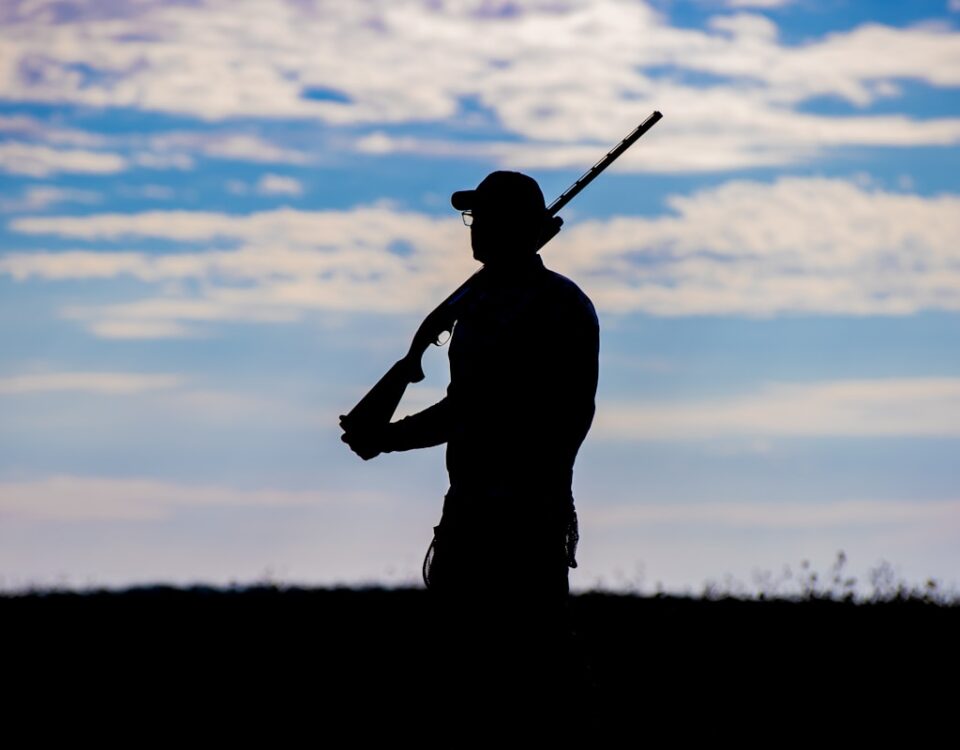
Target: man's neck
(517, 269)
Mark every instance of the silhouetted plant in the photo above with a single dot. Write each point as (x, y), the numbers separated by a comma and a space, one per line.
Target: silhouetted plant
(835, 585)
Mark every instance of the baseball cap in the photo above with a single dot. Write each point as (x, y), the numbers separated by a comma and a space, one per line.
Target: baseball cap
(509, 192)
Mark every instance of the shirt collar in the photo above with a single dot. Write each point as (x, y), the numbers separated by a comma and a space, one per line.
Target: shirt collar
(518, 271)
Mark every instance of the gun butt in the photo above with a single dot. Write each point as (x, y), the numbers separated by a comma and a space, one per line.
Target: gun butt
(378, 406)
(550, 230)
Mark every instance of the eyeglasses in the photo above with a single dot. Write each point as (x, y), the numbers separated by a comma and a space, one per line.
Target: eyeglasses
(467, 218)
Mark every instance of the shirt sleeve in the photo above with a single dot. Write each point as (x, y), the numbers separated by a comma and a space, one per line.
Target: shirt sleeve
(421, 430)
(552, 383)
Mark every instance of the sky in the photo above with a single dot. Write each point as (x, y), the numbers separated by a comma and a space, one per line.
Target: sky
(222, 221)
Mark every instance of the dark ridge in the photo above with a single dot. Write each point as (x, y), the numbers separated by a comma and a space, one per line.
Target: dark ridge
(278, 660)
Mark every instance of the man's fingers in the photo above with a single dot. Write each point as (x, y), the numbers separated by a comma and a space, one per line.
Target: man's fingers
(364, 445)
(360, 447)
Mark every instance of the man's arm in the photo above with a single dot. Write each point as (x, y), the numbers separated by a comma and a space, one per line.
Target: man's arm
(422, 430)
(562, 392)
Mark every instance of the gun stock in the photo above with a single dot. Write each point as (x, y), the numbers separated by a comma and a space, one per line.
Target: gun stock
(381, 401)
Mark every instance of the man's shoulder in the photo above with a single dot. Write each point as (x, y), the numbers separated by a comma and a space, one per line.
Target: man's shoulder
(566, 292)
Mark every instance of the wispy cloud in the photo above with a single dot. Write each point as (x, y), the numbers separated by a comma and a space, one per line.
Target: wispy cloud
(40, 197)
(905, 407)
(797, 245)
(802, 245)
(268, 184)
(36, 130)
(275, 184)
(182, 162)
(777, 515)
(753, 136)
(253, 148)
(150, 191)
(176, 317)
(87, 382)
(42, 161)
(298, 261)
(107, 327)
(560, 75)
(37, 148)
(80, 498)
(757, 3)
(223, 144)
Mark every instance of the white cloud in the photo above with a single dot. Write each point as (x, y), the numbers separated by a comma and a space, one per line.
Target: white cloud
(268, 184)
(39, 197)
(112, 328)
(222, 145)
(252, 148)
(183, 162)
(798, 245)
(80, 264)
(757, 3)
(42, 161)
(167, 317)
(561, 75)
(275, 184)
(33, 129)
(954, 6)
(753, 136)
(87, 382)
(40, 147)
(777, 515)
(156, 192)
(78, 498)
(918, 407)
(177, 150)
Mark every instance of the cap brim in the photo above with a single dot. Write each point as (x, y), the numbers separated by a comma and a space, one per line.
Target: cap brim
(463, 200)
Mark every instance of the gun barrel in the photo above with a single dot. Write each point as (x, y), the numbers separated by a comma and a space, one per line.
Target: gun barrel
(587, 177)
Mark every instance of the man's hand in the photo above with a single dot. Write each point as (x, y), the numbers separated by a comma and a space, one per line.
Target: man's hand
(365, 442)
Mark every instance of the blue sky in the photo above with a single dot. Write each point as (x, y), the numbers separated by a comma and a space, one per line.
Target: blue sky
(221, 222)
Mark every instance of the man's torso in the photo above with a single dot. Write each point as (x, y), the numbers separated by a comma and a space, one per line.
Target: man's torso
(523, 366)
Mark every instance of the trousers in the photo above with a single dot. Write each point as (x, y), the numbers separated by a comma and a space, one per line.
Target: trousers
(497, 574)
(512, 544)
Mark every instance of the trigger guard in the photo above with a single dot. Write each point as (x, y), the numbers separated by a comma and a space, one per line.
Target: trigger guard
(441, 339)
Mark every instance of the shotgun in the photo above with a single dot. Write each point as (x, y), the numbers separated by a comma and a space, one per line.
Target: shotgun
(377, 407)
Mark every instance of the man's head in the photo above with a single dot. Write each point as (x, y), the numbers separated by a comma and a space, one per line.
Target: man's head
(508, 216)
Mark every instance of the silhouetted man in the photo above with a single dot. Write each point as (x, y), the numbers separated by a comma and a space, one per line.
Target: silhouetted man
(523, 378)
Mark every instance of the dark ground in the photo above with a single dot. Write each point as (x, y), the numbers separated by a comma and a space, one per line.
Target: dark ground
(363, 664)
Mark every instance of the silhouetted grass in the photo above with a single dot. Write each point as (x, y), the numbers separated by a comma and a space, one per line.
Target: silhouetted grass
(806, 584)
